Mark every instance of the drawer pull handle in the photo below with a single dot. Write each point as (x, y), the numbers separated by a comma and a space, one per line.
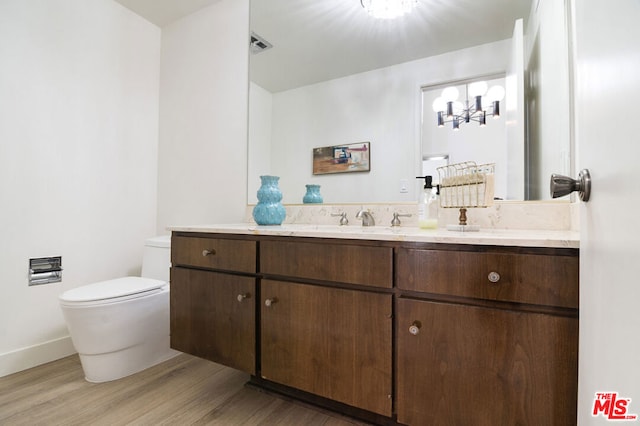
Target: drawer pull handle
(206, 252)
(494, 277)
(241, 297)
(270, 302)
(415, 328)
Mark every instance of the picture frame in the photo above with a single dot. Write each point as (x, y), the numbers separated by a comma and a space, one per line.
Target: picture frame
(348, 158)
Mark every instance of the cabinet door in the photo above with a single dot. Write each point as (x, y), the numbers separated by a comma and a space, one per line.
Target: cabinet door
(466, 365)
(213, 317)
(331, 342)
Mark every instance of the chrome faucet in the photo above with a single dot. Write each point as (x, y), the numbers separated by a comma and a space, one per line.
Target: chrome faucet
(396, 218)
(343, 218)
(367, 218)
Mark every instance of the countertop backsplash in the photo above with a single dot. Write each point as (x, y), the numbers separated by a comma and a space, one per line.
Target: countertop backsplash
(552, 216)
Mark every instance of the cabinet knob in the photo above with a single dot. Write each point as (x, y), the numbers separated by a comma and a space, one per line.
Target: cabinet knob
(241, 297)
(270, 302)
(415, 328)
(207, 252)
(494, 277)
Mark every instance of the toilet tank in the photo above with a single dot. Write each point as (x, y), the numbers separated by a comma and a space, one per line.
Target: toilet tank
(156, 258)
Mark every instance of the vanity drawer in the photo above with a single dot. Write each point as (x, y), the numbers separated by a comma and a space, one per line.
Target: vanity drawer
(214, 253)
(345, 263)
(524, 278)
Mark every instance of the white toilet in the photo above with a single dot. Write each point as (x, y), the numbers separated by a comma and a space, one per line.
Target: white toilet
(121, 326)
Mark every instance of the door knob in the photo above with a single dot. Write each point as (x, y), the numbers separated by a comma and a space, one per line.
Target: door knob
(563, 185)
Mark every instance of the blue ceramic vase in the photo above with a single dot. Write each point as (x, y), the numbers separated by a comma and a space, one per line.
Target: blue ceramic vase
(312, 195)
(269, 210)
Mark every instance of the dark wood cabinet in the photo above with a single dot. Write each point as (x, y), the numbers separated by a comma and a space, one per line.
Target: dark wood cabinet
(331, 342)
(487, 337)
(233, 255)
(469, 365)
(213, 313)
(213, 316)
(369, 265)
(387, 331)
(549, 278)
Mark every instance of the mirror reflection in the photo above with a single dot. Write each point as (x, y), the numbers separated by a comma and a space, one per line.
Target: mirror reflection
(482, 138)
(329, 74)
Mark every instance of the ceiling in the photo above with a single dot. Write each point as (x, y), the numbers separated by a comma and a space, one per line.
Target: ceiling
(328, 39)
(163, 12)
(317, 40)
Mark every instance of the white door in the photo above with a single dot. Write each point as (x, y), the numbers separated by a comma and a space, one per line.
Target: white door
(607, 73)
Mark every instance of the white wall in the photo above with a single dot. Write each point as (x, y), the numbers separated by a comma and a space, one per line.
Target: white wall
(203, 117)
(381, 106)
(260, 111)
(78, 158)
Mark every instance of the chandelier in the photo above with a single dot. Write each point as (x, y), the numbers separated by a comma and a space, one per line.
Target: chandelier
(483, 103)
(388, 9)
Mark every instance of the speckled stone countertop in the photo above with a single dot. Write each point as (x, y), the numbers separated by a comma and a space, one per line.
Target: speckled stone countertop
(494, 237)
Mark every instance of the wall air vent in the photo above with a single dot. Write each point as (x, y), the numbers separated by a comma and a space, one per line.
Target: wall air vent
(258, 44)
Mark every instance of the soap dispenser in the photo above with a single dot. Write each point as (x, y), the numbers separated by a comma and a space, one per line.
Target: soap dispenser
(428, 204)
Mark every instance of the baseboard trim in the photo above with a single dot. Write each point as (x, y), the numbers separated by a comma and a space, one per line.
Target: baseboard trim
(25, 358)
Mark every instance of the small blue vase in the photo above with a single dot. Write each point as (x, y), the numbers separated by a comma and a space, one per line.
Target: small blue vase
(312, 195)
(269, 210)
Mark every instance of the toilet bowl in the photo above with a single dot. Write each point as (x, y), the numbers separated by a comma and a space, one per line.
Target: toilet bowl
(121, 326)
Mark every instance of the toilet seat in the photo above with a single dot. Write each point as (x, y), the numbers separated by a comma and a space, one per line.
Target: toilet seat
(111, 291)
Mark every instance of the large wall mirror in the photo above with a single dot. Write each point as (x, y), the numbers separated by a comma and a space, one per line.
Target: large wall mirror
(327, 74)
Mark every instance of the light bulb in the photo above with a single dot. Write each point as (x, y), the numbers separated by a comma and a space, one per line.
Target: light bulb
(485, 102)
(496, 93)
(439, 104)
(388, 9)
(450, 94)
(477, 88)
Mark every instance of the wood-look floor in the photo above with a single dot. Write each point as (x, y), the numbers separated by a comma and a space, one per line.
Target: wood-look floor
(182, 391)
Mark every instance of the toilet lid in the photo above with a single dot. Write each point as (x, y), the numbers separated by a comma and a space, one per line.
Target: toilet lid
(112, 289)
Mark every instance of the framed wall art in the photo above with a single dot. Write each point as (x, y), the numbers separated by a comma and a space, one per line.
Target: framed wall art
(354, 157)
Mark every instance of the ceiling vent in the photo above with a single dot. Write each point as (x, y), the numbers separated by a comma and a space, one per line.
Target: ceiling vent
(258, 44)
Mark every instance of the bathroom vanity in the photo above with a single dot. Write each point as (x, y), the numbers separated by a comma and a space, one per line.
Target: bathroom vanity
(387, 325)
